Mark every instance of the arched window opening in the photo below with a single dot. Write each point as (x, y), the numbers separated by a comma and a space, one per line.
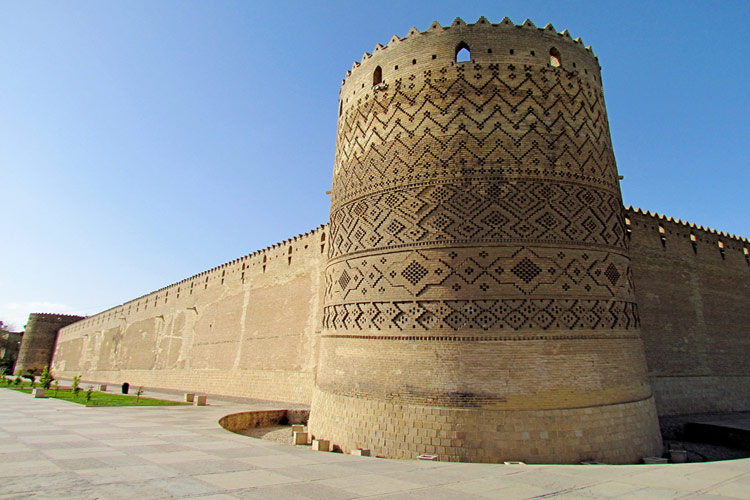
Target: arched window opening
(554, 58)
(463, 53)
(377, 76)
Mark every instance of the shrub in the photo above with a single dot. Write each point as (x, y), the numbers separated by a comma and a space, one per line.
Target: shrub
(17, 381)
(138, 394)
(76, 385)
(55, 385)
(46, 378)
(88, 393)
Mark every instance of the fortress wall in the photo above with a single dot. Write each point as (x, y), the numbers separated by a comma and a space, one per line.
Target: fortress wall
(691, 305)
(246, 328)
(692, 297)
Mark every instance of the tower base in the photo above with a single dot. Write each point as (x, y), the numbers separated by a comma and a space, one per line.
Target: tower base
(615, 434)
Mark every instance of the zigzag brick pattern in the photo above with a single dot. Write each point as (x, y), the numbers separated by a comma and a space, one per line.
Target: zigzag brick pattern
(476, 221)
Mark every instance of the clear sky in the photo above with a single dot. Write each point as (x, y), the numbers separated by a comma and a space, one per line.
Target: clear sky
(142, 142)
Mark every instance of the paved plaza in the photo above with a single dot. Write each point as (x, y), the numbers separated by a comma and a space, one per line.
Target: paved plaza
(52, 449)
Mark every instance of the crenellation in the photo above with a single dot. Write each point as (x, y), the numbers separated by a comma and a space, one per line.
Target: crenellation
(684, 228)
(415, 39)
(208, 277)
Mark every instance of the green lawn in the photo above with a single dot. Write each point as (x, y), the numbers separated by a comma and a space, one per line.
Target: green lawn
(97, 398)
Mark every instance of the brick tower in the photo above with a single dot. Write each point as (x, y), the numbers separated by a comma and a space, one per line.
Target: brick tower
(479, 303)
(39, 340)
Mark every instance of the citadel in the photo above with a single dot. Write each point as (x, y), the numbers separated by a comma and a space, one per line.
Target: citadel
(480, 292)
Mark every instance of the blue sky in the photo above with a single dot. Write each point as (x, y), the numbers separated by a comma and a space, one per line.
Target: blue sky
(144, 142)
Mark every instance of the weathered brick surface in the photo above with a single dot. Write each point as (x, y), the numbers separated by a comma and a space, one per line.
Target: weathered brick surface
(693, 292)
(246, 328)
(478, 262)
(614, 433)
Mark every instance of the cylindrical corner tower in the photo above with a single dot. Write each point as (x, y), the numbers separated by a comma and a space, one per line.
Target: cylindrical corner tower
(39, 338)
(479, 303)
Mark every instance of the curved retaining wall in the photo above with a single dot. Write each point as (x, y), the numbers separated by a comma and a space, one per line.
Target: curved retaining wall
(262, 418)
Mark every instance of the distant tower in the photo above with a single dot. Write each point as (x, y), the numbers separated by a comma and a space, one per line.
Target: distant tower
(479, 303)
(39, 340)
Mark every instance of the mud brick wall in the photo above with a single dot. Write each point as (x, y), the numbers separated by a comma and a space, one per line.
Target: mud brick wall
(246, 328)
(693, 291)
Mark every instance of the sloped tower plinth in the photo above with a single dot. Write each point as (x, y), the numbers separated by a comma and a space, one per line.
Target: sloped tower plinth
(479, 303)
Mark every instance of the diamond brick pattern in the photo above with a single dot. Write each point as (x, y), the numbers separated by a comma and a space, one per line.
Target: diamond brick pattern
(464, 315)
(428, 219)
(495, 272)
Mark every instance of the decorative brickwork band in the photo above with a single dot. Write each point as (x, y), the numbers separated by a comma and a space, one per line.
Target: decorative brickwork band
(476, 212)
(487, 120)
(491, 210)
(491, 272)
(463, 315)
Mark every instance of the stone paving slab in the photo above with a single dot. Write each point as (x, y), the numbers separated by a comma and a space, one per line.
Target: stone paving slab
(51, 449)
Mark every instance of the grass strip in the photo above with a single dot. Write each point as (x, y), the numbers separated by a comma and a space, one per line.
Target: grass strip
(99, 398)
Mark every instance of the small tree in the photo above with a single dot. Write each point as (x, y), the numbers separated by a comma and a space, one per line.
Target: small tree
(46, 378)
(76, 385)
(55, 385)
(88, 393)
(2, 375)
(17, 381)
(138, 394)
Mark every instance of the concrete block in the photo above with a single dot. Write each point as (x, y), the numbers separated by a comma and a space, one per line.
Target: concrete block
(428, 457)
(199, 401)
(38, 393)
(189, 396)
(101, 387)
(654, 460)
(298, 428)
(361, 452)
(300, 438)
(321, 445)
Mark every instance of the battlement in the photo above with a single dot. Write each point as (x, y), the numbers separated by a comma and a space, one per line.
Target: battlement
(510, 55)
(55, 316)
(275, 246)
(685, 224)
(238, 270)
(515, 38)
